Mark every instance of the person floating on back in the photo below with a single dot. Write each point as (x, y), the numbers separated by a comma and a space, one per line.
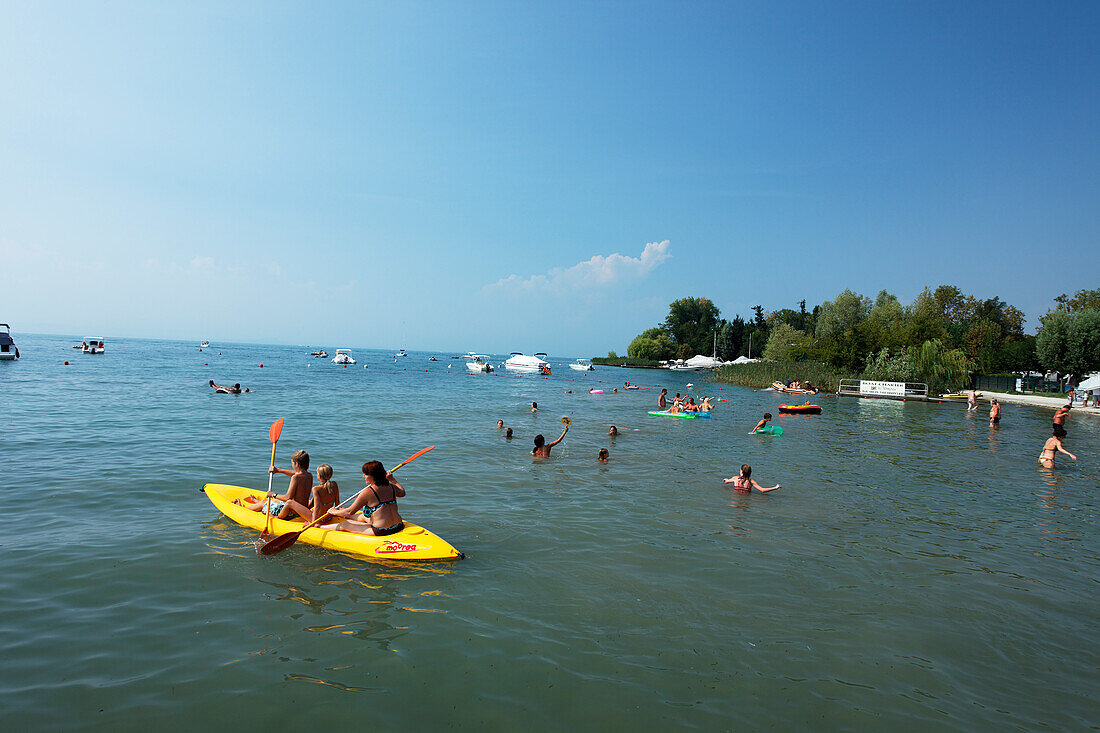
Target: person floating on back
(542, 448)
(763, 423)
(378, 500)
(297, 493)
(222, 389)
(744, 482)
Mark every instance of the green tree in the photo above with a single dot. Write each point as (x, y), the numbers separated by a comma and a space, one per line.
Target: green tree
(842, 315)
(1069, 342)
(785, 344)
(653, 344)
(1052, 341)
(692, 322)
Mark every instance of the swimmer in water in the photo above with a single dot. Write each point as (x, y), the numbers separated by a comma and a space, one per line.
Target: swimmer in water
(222, 389)
(508, 434)
(603, 455)
(500, 425)
(744, 482)
(1052, 447)
(662, 403)
(542, 448)
(763, 423)
(534, 407)
(613, 431)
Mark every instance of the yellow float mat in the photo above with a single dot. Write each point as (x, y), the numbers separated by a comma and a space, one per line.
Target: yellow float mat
(413, 543)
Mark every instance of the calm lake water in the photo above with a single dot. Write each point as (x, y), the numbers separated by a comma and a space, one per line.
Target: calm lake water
(917, 569)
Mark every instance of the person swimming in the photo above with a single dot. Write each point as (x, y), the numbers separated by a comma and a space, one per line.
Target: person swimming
(745, 483)
(613, 431)
(603, 455)
(763, 423)
(542, 448)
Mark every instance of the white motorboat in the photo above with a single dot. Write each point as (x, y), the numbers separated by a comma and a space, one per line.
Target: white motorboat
(400, 354)
(697, 363)
(8, 350)
(343, 356)
(582, 365)
(476, 363)
(319, 354)
(93, 345)
(517, 362)
(204, 344)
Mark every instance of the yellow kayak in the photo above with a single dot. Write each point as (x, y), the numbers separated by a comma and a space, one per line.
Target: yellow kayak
(413, 543)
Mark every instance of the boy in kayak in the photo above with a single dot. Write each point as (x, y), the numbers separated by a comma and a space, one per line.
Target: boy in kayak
(744, 482)
(298, 491)
(542, 448)
(378, 501)
(763, 423)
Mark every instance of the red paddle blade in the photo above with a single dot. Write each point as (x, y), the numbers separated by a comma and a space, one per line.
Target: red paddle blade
(276, 430)
(413, 457)
(280, 543)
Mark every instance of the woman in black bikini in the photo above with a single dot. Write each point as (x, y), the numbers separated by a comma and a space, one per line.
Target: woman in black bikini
(378, 501)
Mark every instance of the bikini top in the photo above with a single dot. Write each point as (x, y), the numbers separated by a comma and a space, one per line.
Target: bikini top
(369, 510)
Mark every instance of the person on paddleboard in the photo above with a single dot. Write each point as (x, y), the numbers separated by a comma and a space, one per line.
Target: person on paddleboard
(378, 501)
(542, 448)
(1052, 447)
(326, 494)
(763, 423)
(298, 491)
(662, 402)
(744, 482)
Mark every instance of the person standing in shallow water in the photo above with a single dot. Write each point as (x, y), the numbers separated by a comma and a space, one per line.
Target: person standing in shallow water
(662, 403)
(745, 483)
(1052, 447)
(994, 412)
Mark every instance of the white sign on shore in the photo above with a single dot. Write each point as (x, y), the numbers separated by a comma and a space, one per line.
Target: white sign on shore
(883, 389)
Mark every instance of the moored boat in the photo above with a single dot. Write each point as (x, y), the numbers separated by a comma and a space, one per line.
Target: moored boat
(93, 345)
(413, 543)
(517, 362)
(8, 350)
(582, 365)
(477, 363)
(343, 356)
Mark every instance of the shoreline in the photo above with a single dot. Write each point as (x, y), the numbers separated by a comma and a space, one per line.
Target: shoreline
(1036, 401)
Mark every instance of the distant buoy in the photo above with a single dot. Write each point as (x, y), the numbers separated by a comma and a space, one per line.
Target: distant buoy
(66, 363)
(261, 366)
(205, 364)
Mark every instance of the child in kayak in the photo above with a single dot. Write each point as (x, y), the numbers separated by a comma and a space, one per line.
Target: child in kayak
(326, 494)
(763, 423)
(300, 483)
(744, 482)
(542, 448)
(378, 501)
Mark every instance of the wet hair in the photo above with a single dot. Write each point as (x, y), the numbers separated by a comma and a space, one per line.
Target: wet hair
(500, 423)
(376, 471)
(664, 391)
(508, 433)
(324, 473)
(768, 415)
(301, 458)
(237, 385)
(604, 454)
(613, 429)
(746, 470)
(211, 382)
(539, 440)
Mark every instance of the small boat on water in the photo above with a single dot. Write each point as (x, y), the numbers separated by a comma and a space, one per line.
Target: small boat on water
(319, 354)
(476, 363)
(780, 387)
(204, 344)
(343, 356)
(93, 345)
(801, 409)
(517, 362)
(432, 358)
(8, 350)
(412, 543)
(582, 365)
(400, 354)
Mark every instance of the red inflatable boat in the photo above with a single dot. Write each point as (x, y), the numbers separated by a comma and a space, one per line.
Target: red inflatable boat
(801, 409)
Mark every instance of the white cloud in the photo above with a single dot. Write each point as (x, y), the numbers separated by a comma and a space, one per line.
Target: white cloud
(599, 270)
(203, 263)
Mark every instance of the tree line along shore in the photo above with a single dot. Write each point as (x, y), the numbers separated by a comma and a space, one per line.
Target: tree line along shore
(943, 338)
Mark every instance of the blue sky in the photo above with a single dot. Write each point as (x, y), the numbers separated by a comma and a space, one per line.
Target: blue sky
(533, 176)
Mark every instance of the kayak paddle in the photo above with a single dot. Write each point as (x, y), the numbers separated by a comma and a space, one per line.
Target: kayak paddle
(274, 433)
(284, 541)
